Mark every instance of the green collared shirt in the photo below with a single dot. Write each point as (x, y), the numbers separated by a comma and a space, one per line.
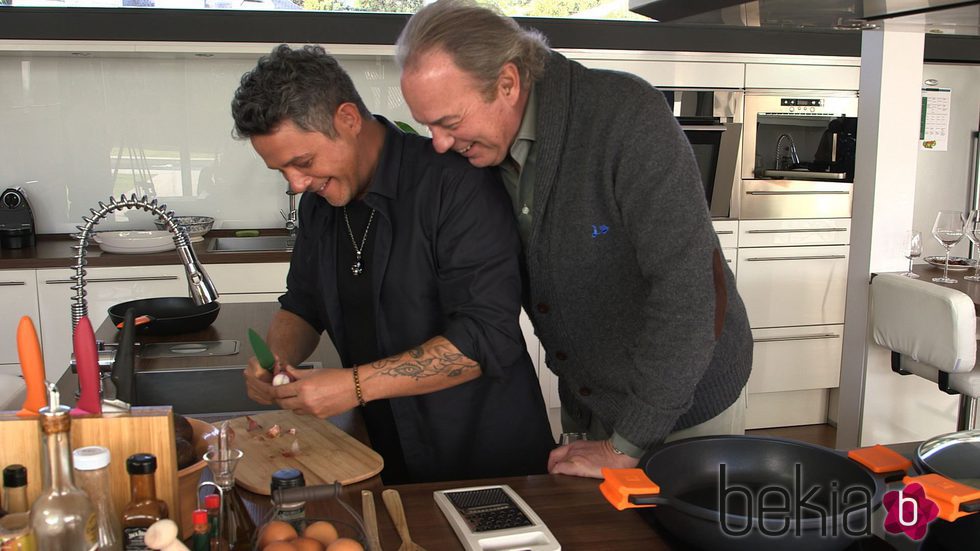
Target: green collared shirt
(518, 169)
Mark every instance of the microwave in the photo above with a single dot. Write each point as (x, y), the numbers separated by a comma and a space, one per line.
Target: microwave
(711, 120)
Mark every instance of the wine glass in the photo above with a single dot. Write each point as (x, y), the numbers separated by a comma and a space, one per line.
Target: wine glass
(972, 232)
(913, 249)
(948, 230)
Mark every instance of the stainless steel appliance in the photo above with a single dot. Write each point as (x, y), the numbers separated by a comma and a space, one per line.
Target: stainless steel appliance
(798, 154)
(711, 120)
(16, 220)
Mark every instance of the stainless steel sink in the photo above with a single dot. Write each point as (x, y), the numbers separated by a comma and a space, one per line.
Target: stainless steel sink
(245, 244)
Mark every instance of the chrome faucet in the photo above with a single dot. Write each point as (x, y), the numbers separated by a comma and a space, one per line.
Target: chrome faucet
(201, 287)
(199, 283)
(292, 219)
(794, 158)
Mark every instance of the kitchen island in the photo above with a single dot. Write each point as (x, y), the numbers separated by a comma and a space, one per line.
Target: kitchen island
(571, 507)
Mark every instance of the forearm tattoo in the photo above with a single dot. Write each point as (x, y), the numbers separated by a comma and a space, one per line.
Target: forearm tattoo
(438, 357)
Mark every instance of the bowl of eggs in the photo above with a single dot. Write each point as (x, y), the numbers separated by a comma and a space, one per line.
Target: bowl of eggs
(314, 535)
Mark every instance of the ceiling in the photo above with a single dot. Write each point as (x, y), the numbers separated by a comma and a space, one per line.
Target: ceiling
(954, 17)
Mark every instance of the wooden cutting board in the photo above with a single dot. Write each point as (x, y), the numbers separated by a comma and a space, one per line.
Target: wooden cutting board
(327, 454)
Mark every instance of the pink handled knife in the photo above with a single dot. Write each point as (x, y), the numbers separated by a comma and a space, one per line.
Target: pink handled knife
(87, 365)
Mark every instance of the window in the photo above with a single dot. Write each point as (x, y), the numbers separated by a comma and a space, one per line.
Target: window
(579, 9)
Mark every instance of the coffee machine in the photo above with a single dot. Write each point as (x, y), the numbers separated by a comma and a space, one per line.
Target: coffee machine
(16, 220)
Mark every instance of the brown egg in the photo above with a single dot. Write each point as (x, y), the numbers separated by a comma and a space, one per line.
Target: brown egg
(276, 530)
(307, 544)
(345, 544)
(322, 531)
(279, 546)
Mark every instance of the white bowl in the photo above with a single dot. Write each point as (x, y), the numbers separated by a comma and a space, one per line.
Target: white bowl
(134, 241)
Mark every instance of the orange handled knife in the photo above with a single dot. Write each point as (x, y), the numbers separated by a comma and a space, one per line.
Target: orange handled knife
(32, 366)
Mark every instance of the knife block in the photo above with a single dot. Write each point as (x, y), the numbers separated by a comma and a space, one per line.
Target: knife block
(142, 430)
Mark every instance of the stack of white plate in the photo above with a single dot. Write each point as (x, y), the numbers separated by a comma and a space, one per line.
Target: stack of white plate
(134, 242)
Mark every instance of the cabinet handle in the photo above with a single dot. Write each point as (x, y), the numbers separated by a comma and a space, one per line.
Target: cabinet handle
(724, 232)
(112, 279)
(12, 283)
(797, 230)
(799, 338)
(816, 257)
(797, 192)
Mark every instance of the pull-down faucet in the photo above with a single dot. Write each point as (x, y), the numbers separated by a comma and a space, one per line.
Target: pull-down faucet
(201, 287)
(780, 158)
(292, 219)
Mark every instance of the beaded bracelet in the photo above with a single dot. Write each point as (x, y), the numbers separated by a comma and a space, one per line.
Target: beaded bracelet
(357, 388)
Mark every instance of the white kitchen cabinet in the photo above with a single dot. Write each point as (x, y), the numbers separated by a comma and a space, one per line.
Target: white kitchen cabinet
(693, 74)
(792, 286)
(796, 358)
(259, 282)
(18, 294)
(792, 276)
(105, 287)
(802, 77)
(786, 409)
(727, 232)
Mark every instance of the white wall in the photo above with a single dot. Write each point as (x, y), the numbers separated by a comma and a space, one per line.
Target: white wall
(64, 116)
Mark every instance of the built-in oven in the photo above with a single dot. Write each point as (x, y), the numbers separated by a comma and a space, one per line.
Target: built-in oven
(798, 154)
(711, 120)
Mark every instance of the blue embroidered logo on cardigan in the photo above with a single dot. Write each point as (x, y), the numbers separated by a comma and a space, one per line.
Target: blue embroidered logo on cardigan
(601, 229)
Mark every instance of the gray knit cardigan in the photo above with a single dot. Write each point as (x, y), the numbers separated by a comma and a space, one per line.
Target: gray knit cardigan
(627, 291)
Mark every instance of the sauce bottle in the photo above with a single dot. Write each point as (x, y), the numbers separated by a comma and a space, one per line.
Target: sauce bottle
(143, 508)
(15, 489)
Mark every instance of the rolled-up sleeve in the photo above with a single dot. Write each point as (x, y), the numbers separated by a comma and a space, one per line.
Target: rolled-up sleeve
(478, 264)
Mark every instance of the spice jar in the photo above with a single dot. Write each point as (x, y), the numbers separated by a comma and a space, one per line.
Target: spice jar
(91, 465)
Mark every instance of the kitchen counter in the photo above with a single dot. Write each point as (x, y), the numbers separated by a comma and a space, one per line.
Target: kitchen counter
(55, 251)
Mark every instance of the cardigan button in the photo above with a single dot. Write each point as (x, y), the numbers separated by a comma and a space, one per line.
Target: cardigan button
(585, 391)
(561, 356)
(543, 308)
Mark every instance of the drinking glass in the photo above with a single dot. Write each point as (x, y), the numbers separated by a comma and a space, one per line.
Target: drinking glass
(948, 230)
(913, 249)
(972, 232)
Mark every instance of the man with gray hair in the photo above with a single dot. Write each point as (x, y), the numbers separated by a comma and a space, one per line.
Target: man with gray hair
(409, 260)
(624, 278)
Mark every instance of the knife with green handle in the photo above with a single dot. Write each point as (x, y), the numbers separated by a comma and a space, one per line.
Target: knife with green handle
(262, 352)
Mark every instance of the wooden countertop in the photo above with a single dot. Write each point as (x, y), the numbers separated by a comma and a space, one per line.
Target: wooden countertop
(55, 251)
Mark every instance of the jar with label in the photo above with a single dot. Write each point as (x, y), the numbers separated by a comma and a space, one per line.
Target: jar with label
(92, 476)
(143, 508)
(293, 513)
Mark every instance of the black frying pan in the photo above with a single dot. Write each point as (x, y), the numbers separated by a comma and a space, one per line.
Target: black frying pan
(168, 315)
(688, 472)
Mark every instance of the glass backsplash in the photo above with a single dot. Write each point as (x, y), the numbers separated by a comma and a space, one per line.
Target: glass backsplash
(77, 130)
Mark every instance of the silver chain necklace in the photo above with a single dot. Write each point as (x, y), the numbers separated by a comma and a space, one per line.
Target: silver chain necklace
(357, 268)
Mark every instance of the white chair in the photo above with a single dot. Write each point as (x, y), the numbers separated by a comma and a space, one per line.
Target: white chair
(931, 331)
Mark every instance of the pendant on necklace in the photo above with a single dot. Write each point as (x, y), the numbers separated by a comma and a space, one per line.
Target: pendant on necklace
(357, 268)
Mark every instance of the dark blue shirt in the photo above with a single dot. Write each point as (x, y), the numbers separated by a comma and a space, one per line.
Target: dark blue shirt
(444, 261)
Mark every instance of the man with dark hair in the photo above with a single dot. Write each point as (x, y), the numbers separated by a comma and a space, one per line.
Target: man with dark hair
(626, 285)
(409, 260)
